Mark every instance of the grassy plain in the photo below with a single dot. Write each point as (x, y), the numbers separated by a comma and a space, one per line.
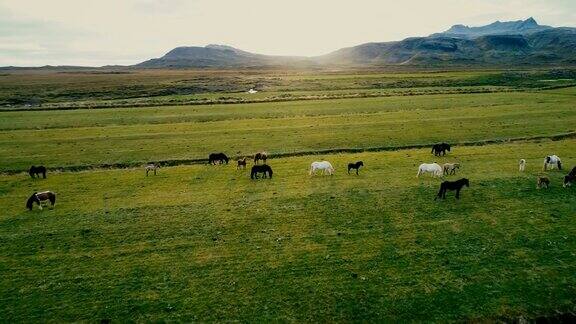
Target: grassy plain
(205, 243)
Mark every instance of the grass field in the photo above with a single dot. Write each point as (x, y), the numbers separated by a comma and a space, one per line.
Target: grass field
(206, 243)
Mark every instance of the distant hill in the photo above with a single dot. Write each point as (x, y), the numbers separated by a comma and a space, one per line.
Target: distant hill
(514, 43)
(520, 27)
(501, 43)
(216, 56)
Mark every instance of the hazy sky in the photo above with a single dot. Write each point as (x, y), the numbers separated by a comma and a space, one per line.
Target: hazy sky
(100, 32)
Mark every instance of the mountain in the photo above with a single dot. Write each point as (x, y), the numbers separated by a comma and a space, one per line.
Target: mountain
(214, 56)
(522, 42)
(517, 43)
(520, 27)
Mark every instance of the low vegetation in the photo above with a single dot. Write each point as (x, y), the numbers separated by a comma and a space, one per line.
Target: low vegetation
(206, 243)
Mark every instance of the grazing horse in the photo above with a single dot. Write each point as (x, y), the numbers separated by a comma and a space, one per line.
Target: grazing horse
(543, 182)
(41, 197)
(152, 167)
(241, 163)
(218, 157)
(433, 168)
(260, 156)
(440, 149)
(264, 169)
(551, 162)
(355, 166)
(325, 166)
(450, 168)
(522, 165)
(35, 171)
(452, 185)
(570, 178)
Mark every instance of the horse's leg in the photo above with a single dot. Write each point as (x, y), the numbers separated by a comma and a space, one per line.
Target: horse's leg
(458, 193)
(357, 171)
(155, 171)
(147, 172)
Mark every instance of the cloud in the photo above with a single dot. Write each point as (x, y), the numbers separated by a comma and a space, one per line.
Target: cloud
(129, 31)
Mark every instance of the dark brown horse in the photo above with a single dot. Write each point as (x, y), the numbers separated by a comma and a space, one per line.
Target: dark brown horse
(264, 169)
(41, 197)
(35, 171)
(452, 185)
(218, 158)
(355, 166)
(241, 163)
(440, 149)
(260, 156)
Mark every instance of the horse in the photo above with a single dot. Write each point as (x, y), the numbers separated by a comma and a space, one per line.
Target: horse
(35, 171)
(433, 168)
(241, 163)
(325, 166)
(264, 169)
(260, 156)
(152, 167)
(522, 165)
(543, 182)
(570, 178)
(355, 166)
(441, 148)
(450, 168)
(41, 197)
(218, 157)
(552, 161)
(452, 185)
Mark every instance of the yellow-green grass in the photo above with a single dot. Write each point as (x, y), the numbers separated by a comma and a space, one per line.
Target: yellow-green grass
(176, 133)
(207, 243)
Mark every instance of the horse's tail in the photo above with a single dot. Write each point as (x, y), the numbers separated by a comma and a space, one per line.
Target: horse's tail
(433, 149)
(311, 168)
(559, 164)
(52, 198)
(270, 172)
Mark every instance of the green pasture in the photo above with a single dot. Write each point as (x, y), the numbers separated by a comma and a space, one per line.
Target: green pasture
(206, 243)
(84, 137)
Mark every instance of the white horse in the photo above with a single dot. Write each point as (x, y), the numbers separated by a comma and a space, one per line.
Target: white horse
(325, 166)
(552, 161)
(433, 168)
(522, 165)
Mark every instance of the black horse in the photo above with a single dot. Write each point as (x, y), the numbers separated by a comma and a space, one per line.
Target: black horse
(452, 185)
(218, 157)
(570, 178)
(264, 169)
(440, 149)
(355, 166)
(35, 171)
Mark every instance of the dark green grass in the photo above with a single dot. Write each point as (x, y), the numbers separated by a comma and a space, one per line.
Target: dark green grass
(206, 243)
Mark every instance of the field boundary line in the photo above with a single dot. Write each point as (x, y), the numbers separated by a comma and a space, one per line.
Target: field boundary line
(257, 101)
(177, 162)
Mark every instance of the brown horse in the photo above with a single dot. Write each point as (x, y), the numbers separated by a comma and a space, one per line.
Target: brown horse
(40, 198)
(241, 163)
(260, 156)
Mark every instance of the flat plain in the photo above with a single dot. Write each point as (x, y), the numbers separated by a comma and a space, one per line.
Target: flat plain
(206, 243)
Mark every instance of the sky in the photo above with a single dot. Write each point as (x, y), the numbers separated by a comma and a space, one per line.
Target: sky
(108, 32)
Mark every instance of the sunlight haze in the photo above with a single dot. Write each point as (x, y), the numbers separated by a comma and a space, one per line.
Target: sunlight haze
(95, 33)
